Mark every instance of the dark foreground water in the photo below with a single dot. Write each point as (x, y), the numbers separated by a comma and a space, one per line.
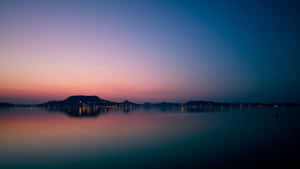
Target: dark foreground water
(252, 138)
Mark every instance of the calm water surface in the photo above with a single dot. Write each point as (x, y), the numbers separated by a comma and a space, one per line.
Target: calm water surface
(256, 138)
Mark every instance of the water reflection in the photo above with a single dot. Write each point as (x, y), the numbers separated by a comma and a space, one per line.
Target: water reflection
(94, 110)
(140, 136)
(91, 110)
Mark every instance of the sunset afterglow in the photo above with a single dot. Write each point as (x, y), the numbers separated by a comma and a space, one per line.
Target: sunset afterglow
(145, 51)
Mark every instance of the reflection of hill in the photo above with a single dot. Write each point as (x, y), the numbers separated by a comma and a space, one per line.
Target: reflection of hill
(90, 110)
(78, 111)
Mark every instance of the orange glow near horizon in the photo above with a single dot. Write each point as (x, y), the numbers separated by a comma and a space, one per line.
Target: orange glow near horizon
(44, 92)
(52, 56)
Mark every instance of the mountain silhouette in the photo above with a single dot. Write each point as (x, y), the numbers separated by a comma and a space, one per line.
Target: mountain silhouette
(80, 100)
(127, 102)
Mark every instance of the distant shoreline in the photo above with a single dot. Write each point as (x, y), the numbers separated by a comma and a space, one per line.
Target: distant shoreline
(79, 99)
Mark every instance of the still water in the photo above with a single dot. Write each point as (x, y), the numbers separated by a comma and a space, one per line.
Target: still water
(252, 138)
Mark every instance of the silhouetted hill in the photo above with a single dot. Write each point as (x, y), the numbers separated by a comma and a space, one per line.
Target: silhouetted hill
(126, 102)
(80, 106)
(86, 100)
(80, 100)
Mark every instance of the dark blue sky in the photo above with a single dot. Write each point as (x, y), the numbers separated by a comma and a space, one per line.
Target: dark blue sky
(218, 50)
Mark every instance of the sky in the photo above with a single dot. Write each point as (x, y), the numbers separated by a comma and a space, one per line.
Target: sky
(235, 51)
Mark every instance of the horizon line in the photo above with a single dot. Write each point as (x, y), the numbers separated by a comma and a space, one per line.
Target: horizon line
(153, 102)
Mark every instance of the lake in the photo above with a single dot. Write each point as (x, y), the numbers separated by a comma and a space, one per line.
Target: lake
(150, 138)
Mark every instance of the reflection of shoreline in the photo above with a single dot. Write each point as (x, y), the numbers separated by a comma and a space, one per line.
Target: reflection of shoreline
(96, 110)
(89, 110)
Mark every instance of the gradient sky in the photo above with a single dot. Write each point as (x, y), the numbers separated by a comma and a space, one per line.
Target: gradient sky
(150, 50)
